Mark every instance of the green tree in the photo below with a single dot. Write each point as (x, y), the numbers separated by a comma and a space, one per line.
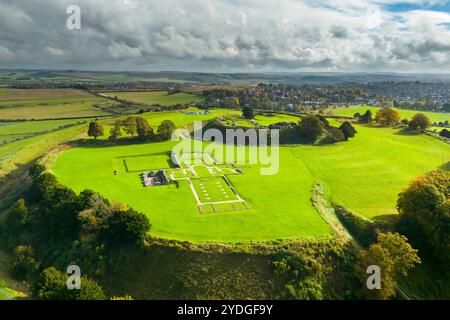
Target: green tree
(36, 170)
(24, 266)
(424, 209)
(52, 285)
(125, 228)
(116, 131)
(143, 129)
(42, 186)
(445, 133)
(311, 128)
(130, 126)
(336, 135)
(419, 122)
(95, 130)
(166, 129)
(307, 289)
(247, 113)
(16, 218)
(348, 130)
(366, 117)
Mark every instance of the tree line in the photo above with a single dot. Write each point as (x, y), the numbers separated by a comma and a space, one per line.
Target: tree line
(52, 227)
(133, 127)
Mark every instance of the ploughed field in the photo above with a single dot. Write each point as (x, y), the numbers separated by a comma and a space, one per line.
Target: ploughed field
(364, 174)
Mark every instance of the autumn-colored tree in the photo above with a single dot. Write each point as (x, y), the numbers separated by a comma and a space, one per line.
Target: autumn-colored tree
(116, 131)
(130, 126)
(378, 256)
(387, 116)
(419, 122)
(424, 209)
(95, 130)
(394, 256)
(143, 128)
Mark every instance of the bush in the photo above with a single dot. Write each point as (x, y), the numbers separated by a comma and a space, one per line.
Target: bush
(337, 134)
(125, 228)
(308, 289)
(445, 133)
(166, 129)
(348, 130)
(52, 285)
(25, 265)
(311, 128)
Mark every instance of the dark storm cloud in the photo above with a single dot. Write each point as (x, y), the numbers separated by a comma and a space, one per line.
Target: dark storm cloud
(223, 35)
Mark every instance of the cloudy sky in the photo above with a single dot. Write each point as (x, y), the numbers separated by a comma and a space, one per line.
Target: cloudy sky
(228, 35)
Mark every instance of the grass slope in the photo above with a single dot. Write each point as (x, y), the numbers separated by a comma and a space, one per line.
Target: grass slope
(22, 152)
(168, 273)
(10, 131)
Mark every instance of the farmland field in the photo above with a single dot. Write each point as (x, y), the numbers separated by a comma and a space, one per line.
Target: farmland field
(29, 104)
(364, 174)
(31, 94)
(155, 97)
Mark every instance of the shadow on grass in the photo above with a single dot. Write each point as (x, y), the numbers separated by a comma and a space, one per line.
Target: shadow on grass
(386, 221)
(445, 166)
(408, 132)
(14, 185)
(85, 143)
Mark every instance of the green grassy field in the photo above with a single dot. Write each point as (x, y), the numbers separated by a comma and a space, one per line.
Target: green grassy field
(155, 97)
(180, 119)
(364, 174)
(213, 189)
(263, 120)
(408, 114)
(173, 211)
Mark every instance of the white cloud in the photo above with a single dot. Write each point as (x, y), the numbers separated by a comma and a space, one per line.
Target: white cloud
(55, 52)
(230, 35)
